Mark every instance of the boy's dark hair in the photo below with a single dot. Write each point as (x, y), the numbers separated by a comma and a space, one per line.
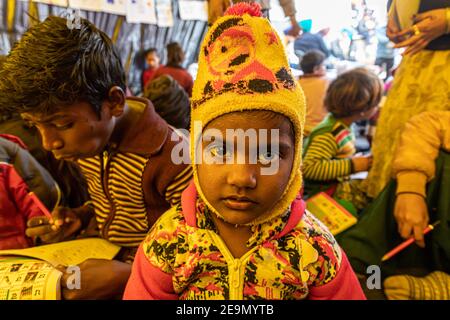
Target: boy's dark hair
(52, 66)
(352, 92)
(170, 100)
(310, 60)
(175, 54)
(151, 50)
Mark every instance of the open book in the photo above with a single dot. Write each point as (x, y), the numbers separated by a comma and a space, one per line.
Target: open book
(29, 274)
(335, 217)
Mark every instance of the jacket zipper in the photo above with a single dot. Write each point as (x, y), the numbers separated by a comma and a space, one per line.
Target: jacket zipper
(235, 268)
(104, 177)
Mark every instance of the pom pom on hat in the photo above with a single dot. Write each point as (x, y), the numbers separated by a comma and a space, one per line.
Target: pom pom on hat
(239, 9)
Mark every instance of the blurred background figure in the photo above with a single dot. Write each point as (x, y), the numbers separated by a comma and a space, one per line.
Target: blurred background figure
(174, 68)
(170, 100)
(216, 9)
(152, 63)
(310, 41)
(385, 53)
(314, 84)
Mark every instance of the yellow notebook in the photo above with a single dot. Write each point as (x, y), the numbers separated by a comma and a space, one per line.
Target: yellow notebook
(335, 217)
(29, 274)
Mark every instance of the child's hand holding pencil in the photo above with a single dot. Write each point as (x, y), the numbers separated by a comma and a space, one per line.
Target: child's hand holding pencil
(61, 224)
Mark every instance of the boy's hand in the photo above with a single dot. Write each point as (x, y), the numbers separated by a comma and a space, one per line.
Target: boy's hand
(362, 163)
(63, 224)
(411, 214)
(99, 279)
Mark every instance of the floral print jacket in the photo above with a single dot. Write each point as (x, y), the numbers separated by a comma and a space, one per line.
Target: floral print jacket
(291, 257)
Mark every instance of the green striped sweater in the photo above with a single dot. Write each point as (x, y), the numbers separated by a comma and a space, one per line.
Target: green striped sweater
(328, 151)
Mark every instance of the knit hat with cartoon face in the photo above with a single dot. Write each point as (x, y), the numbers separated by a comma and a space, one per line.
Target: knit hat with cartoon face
(243, 66)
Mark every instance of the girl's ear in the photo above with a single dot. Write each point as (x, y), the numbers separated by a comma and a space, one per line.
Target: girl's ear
(116, 99)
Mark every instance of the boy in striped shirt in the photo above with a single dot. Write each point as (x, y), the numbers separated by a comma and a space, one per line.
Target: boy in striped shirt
(329, 153)
(71, 85)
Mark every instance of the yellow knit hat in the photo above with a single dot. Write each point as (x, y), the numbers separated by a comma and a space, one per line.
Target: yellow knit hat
(243, 66)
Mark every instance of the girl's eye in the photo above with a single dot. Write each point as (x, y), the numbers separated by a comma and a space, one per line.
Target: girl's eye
(219, 151)
(268, 157)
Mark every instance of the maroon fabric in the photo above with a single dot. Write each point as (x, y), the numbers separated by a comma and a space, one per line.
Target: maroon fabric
(147, 75)
(179, 74)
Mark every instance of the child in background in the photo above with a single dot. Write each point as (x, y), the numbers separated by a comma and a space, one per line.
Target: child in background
(314, 84)
(174, 68)
(26, 189)
(329, 154)
(70, 84)
(152, 60)
(241, 231)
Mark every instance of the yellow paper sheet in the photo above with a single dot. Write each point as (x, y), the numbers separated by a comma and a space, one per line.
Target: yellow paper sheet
(69, 253)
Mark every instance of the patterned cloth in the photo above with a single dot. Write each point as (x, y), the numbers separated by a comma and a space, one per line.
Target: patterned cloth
(422, 83)
(291, 257)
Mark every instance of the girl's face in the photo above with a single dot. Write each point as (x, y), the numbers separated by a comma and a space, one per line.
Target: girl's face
(242, 191)
(152, 60)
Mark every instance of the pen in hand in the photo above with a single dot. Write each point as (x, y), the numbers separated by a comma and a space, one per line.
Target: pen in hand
(407, 243)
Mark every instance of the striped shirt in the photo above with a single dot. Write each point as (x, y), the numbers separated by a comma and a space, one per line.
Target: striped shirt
(122, 194)
(118, 182)
(328, 154)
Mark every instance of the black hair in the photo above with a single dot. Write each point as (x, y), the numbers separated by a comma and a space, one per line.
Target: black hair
(150, 50)
(175, 55)
(310, 60)
(53, 66)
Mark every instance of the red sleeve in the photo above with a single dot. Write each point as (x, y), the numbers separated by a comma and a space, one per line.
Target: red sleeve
(345, 286)
(25, 202)
(145, 77)
(147, 282)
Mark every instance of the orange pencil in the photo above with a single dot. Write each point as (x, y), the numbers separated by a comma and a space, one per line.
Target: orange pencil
(40, 205)
(406, 243)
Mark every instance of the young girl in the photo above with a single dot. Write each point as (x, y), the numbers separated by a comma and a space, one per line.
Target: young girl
(329, 154)
(242, 231)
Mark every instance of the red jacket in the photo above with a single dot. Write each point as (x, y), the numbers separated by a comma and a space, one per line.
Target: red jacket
(23, 181)
(183, 257)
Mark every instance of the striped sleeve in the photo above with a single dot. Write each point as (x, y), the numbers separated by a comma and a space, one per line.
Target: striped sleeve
(319, 162)
(179, 183)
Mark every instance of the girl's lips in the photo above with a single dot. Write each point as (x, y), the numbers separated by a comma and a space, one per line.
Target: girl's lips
(238, 204)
